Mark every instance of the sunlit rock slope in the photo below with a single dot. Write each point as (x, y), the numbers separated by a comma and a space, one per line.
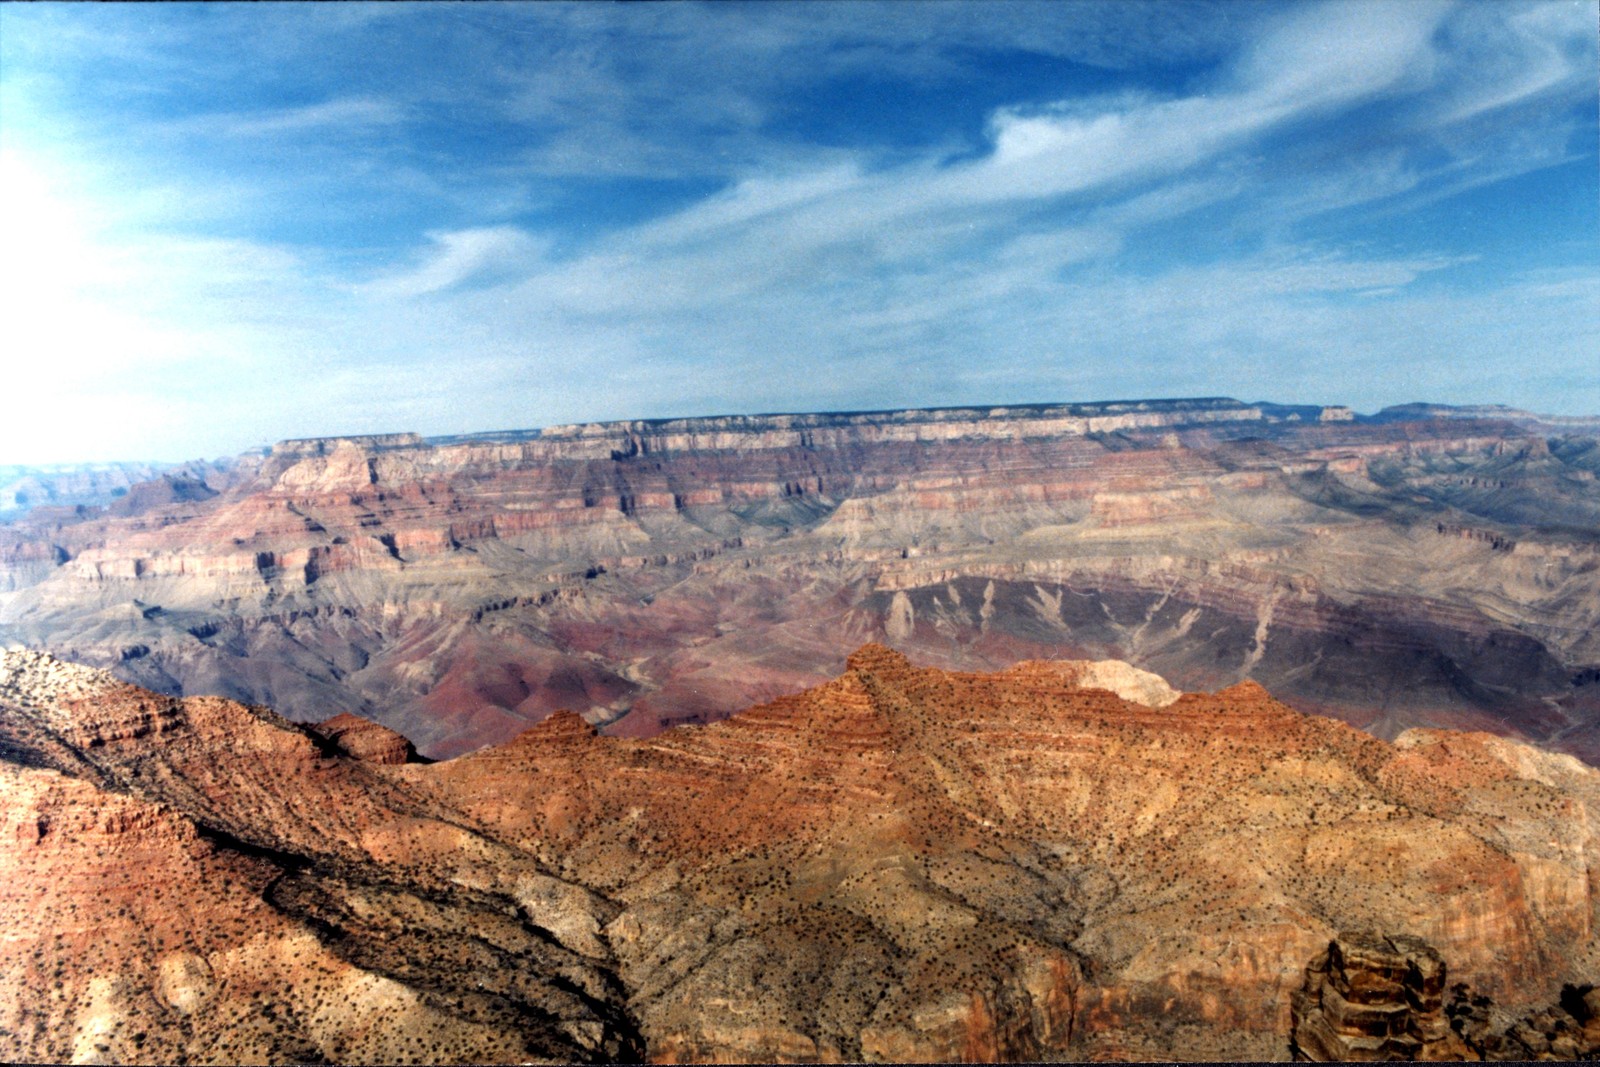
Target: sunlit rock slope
(1424, 567)
(900, 864)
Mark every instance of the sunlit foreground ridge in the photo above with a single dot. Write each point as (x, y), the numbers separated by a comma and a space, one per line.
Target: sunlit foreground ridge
(1424, 566)
(1055, 860)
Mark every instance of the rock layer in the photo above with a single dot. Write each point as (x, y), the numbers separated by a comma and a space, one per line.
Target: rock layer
(1413, 569)
(901, 864)
(1370, 998)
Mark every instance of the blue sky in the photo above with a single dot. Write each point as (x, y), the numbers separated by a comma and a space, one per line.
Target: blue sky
(223, 225)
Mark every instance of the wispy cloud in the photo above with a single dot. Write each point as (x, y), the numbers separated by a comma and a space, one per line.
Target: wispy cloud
(475, 258)
(509, 215)
(1515, 56)
(343, 116)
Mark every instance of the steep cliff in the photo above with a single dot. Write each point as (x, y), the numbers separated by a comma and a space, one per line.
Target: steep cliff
(1421, 569)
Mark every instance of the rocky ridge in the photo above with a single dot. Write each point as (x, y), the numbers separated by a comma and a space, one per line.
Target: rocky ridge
(901, 864)
(225, 888)
(1418, 568)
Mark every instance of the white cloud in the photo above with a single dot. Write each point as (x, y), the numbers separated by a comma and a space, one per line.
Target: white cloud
(475, 257)
(821, 277)
(1512, 54)
(340, 117)
(1340, 52)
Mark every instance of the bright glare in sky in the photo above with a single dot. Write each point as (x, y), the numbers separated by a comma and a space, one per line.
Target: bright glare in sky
(227, 224)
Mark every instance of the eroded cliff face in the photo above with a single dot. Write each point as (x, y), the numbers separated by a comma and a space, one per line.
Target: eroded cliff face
(1371, 998)
(901, 864)
(1416, 570)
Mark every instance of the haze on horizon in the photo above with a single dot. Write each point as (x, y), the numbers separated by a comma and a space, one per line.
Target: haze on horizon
(223, 225)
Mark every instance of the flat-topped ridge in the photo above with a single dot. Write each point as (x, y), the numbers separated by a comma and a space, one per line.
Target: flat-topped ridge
(321, 446)
(1146, 413)
(1210, 406)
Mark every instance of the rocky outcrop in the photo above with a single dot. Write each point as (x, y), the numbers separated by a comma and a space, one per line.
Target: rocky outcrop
(361, 739)
(1565, 1031)
(1370, 998)
(1114, 676)
(1424, 570)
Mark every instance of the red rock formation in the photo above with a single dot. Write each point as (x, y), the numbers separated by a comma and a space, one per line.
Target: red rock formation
(359, 739)
(224, 889)
(902, 863)
(1418, 570)
(1369, 998)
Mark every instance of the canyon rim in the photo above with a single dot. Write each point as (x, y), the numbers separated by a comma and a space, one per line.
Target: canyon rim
(848, 531)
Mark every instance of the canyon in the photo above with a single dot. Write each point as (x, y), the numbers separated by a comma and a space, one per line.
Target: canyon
(1425, 566)
(1058, 860)
(70, 485)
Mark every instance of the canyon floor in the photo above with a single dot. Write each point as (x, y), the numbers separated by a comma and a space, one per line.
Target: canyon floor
(1426, 566)
(1055, 861)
